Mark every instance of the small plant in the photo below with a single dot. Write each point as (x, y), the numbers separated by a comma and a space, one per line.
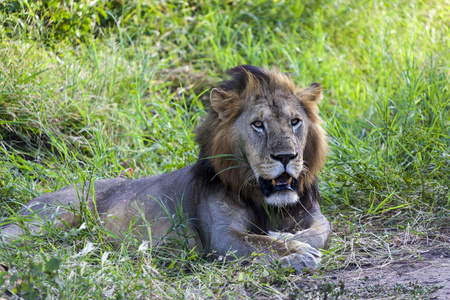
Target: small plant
(56, 21)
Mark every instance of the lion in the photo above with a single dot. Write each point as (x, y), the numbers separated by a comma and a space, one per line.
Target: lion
(253, 188)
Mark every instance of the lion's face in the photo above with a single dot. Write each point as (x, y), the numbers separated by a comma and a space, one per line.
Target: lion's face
(273, 129)
(264, 136)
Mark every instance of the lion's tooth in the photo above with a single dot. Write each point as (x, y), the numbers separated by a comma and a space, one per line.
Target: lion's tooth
(274, 182)
(289, 180)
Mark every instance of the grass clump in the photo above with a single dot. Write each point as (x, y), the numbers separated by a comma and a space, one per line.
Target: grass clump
(53, 21)
(108, 89)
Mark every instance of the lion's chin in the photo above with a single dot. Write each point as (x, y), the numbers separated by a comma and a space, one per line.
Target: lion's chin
(282, 198)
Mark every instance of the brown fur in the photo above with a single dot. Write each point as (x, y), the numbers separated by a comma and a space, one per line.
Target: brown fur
(316, 145)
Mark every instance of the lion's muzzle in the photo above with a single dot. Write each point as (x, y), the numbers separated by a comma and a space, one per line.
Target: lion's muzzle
(284, 182)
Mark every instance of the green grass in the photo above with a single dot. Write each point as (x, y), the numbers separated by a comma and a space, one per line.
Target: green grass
(83, 100)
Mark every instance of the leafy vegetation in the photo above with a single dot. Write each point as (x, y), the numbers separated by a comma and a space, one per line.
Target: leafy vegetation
(100, 89)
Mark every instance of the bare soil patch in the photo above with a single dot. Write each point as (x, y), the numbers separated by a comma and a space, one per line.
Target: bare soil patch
(384, 257)
(420, 277)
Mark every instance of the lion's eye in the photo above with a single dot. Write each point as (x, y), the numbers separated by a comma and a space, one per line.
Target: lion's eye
(296, 122)
(258, 125)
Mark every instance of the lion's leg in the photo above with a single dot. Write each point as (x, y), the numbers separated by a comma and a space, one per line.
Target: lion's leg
(42, 211)
(229, 232)
(314, 235)
(294, 253)
(33, 225)
(59, 209)
(315, 231)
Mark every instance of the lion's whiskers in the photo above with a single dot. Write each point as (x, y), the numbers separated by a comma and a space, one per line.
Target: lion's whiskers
(250, 177)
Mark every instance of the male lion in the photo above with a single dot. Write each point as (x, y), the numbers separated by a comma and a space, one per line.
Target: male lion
(253, 188)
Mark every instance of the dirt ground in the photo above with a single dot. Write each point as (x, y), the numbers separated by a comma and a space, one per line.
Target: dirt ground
(411, 277)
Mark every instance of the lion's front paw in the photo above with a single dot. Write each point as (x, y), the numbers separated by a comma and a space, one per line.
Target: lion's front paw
(302, 256)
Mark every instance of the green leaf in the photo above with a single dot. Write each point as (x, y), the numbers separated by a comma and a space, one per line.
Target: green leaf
(52, 265)
(172, 264)
(241, 276)
(3, 277)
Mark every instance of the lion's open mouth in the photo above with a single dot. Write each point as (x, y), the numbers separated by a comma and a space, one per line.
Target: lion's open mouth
(284, 182)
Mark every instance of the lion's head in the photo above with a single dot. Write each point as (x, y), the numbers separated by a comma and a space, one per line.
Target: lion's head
(263, 137)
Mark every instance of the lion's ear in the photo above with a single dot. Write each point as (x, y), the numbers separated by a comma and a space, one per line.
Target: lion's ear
(222, 102)
(310, 97)
(313, 93)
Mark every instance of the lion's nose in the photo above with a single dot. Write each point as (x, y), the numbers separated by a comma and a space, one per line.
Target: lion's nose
(284, 158)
